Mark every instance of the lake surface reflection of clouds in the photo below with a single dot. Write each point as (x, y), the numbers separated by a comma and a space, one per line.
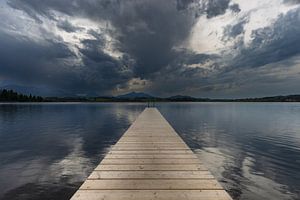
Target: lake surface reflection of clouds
(47, 150)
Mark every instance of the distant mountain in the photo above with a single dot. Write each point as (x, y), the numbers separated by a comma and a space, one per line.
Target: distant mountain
(181, 98)
(135, 95)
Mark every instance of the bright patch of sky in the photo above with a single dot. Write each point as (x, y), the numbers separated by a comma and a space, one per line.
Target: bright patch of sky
(207, 34)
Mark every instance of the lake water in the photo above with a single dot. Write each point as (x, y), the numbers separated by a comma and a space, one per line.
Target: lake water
(47, 150)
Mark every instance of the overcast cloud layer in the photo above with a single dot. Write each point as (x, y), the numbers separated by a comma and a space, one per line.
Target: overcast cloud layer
(208, 48)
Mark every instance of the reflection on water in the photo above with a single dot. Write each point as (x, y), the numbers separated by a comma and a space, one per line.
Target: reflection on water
(47, 150)
(252, 148)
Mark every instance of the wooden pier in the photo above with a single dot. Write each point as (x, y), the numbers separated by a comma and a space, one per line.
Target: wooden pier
(151, 161)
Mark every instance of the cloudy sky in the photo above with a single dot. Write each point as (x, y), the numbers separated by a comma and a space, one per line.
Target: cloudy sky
(204, 48)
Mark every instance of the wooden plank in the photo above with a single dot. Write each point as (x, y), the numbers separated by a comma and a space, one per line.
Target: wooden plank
(151, 152)
(159, 136)
(146, 142)
(151, 195)
(152, 145)
(183, 167)
(147, 148)
(150, 139)
(145, 184)
(149, 129)
(157, 156)
(151, 175)
(144, 161)
(148, 135)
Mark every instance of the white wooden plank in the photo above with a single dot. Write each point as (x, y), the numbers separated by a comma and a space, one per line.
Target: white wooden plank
(145, 184)
(151, 195)
(186, 167)
(144, 161)
(151, 175)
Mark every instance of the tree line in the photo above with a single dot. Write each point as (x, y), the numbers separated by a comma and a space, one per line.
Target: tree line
(10, 95)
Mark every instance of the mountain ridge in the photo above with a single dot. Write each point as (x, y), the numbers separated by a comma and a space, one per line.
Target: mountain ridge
(134, 95)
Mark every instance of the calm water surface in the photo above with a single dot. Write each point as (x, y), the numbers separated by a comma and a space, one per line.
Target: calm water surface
(47, 150)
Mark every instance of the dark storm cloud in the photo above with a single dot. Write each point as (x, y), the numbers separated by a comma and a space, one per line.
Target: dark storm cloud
(233, 30)
(147, 32)
(276, 43)
(104, 72)
(149, 35)
(292, 2)
(149, 29)
(30, 62)
(210, 8)
(190, 58)
(178, 76)
(273, 43)
(183, 4)
(27, 60)
(235, 7)
(216, 7)
(67, 26)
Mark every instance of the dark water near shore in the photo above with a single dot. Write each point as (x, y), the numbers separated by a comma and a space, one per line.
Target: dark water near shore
(47, 150)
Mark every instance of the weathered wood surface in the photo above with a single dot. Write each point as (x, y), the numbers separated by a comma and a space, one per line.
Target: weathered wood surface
(150, 162)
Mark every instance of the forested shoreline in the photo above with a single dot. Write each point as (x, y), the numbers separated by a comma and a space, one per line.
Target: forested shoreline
(12, 96)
